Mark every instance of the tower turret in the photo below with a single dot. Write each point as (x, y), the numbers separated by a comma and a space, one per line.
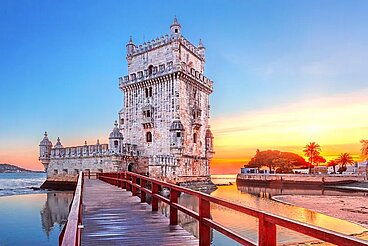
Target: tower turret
(177, 136)
(116, 140)
(209, 144)
(201, 49)
(45, 151)
(175, 27)
(130, 47)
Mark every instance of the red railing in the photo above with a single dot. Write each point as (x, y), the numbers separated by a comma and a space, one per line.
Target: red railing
(266, 222)
(71, 234)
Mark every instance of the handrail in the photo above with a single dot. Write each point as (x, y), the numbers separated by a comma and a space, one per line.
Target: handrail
(71, 234)
(266, 221)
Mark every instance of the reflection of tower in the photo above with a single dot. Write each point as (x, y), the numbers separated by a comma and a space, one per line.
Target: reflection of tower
(45, 151)
(55, 210)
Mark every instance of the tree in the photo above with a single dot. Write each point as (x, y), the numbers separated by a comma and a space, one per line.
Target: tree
(343, 160)
(264, 158)
(319, 159)
(312, 150)
(274, 159)
(364, 151)
(333, 163)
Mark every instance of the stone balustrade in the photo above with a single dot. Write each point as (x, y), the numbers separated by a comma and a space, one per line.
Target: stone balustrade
(164, 40)
(91, 151)
(144, 75)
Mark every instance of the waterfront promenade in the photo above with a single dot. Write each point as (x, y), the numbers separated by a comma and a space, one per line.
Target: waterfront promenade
(103, 212)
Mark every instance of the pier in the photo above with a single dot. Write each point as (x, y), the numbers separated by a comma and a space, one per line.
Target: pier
(112, 210)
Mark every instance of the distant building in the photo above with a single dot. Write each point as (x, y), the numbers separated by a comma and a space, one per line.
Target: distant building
(163, 129)
(301, 170)
(253, 170)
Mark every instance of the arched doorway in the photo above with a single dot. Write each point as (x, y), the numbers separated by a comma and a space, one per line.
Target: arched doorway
(130, 167)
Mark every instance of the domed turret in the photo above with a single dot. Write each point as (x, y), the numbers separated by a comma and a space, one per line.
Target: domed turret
(177, 135)
(130, 47)
(58, 144)
(45, 141)
(201, 49)
(175, 27)
(45, 151)
(116, 134)
(176, 125)
(116, 140)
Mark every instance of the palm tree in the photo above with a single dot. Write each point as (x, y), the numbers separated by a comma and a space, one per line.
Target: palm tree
(364, 150)
(312, 150)
(343, 160)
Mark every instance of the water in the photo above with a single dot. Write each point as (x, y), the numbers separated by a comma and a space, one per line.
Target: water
(261, 198)
(38, 218)
(20, 183)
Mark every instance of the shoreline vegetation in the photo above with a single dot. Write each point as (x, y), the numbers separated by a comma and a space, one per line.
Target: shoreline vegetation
(9, 168)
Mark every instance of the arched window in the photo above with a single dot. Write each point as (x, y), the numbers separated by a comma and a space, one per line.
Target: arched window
(149, 137)
(116, 143)
(146, 92)
(150, 92)
(150, 69)
(194, 137)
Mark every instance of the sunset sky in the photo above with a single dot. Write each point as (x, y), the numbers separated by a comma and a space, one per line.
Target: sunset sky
(285, 73)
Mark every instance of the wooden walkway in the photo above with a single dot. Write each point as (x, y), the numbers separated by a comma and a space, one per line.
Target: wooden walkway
(112, 216)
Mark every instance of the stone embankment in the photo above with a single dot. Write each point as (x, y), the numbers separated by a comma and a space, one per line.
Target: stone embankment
(60, 183)
(298, 179)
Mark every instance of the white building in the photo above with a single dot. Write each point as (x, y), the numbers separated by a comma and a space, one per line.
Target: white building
(163, 128)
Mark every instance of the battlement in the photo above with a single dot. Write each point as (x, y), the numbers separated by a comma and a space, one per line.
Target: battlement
(91, 151)
(162, 41)
(164, 69)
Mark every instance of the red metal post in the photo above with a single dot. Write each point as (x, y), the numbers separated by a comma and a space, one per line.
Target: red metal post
(266, 232)
(204, 230)
(154, 199)
(123, 184)
(128, 186)
(174, 195)
(134, 189)
(143, 193)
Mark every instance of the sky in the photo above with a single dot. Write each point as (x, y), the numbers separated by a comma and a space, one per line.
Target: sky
(285, 73)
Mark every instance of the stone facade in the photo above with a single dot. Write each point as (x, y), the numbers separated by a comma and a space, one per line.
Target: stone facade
(165, 118)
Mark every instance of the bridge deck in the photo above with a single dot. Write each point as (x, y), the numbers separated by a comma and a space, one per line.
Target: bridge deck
(112, 216)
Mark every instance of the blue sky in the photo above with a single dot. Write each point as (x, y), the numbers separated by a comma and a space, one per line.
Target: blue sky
(60, 61)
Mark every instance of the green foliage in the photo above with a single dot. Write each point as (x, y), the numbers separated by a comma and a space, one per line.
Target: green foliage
(343, 160)
(282, 162)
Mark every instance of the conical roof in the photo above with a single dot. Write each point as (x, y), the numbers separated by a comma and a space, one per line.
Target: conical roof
(45, 141)
(176, 125)
(58, 144)
(116, 134)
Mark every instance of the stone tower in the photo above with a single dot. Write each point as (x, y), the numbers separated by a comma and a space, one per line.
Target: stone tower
(166, 106)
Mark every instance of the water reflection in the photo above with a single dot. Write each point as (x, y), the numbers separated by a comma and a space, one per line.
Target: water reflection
(260, 198)
(55, 211)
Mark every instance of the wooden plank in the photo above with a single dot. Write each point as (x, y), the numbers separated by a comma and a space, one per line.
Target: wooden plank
(112, 216)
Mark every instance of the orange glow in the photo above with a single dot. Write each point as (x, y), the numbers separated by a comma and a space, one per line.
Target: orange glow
(337, 123)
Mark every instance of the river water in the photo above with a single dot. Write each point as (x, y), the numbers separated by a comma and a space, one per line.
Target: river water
(37, 218)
